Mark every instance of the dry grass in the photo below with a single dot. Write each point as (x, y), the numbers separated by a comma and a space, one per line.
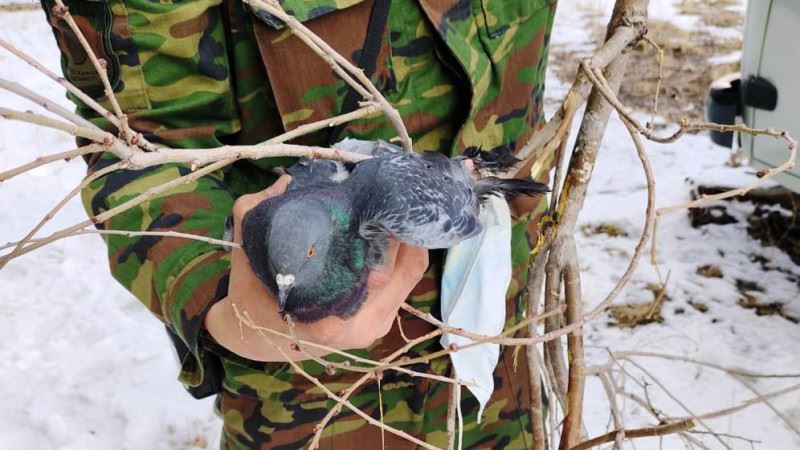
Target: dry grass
(14, 7)
(710, 271)
(714, 13)
(630, 315)
(608, 228)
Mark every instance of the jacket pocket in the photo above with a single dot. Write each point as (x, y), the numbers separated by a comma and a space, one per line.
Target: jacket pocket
(105, 26)
(94, 20)
(305, 87)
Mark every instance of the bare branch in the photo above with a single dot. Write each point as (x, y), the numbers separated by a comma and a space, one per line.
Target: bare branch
(173, 234)
(55, 108)
(731, 370)
(90, 102)
(61, 11)
(20, 248)
(659, 430)
(95, 135)
(746, 404)
(571, 431)
(298, 369)
(42, 160)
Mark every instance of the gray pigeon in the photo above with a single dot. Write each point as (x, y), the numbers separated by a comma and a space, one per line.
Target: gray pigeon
(314, 246)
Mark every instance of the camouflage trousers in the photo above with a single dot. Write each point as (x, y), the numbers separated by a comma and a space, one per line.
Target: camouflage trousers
(205, 73)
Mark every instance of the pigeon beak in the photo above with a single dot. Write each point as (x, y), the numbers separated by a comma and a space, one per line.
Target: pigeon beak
(284, 283)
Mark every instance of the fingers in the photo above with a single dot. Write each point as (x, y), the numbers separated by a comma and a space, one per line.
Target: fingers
(379, 277)
(406, 265)
(247, 202)
(410, 266)
(412, 262)
(277, 188)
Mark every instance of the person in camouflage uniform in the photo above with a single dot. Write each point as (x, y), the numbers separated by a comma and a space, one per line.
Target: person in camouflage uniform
(205, 73)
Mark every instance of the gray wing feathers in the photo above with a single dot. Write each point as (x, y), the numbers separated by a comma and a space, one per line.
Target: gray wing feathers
(426, 201)
(317, 172)
(371, 148)
(314, 172)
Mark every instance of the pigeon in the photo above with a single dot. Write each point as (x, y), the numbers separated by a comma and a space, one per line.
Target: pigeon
(314, 246)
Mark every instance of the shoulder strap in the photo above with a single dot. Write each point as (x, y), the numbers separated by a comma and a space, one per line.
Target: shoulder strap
(368, 58)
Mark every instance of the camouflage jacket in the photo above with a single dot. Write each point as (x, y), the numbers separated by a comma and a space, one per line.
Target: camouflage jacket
(204, 73)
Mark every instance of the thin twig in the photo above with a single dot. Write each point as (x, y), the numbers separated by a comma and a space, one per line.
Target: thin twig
(61, 11)
(677, 400)
(49, 105)
(616, 414)
(659, 430)
(42, 160)
(750, 387)
(93, 134)
(90, 102)
(746, 404)
(102, 217)
(731, 370)
(358, 383)
(299, 370)
(19, 247)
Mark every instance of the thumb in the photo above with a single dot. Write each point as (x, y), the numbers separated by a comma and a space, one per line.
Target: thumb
(380, 276)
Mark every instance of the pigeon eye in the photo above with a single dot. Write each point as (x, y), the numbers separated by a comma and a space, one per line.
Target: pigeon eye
(311, 252)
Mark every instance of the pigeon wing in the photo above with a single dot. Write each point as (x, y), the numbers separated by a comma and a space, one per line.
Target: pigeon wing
(370, 148)
(321, 173)
(423, 200)
(317, 173)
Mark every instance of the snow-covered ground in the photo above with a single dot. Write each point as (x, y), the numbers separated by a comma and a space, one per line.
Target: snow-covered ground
(83, 366)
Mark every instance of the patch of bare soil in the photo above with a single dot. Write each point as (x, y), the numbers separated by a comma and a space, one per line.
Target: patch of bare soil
(686, 71)
(608, 228)
(710, 271)
(714, 13)
(775, 221)
(751, 299)
(776, 228)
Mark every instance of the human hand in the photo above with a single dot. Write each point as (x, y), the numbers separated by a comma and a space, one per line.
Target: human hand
(388, 287)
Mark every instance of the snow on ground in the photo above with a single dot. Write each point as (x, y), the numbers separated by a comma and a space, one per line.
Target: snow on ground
(84, 366)
(726, 334)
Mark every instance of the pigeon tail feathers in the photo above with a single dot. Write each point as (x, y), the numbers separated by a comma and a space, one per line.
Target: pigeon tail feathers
(508, 188)
(498, 160)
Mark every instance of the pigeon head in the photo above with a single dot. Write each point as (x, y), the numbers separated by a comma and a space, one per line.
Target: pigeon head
(302, 249)
(299, 241)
